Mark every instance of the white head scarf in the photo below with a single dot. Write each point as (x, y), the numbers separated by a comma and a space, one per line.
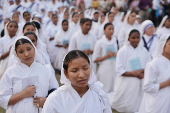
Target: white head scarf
(127, 43)
(13, 53)
(145, 25)
(6, 31)
(66, 81)
(163, 21)
(160, 47)
(125, 22)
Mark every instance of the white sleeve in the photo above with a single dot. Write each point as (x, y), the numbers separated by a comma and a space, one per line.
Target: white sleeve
(150, 86)
(120, 62)
(72, 44)
(97, 51)
(5, 90)
(52, 104)
(1, 48)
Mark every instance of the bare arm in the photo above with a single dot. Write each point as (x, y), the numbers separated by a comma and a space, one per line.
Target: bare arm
(5, 55)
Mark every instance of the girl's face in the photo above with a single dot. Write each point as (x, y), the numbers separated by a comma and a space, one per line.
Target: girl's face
(26, 53)
(167, 23)
(134, 39)
(29, 28)
(82, 15)
(33, 39)
(50, 14)
(96, 16)
(167, 48)
(12, 28)
(75, 18)
(78, 72)
(109, 30)
(86, 27)
(54, 19)
(15, 18)
(66, 15)
(27, 16)
(102, 19)
(150, 31)
(65, 26)
(132, 18)
(111, 18)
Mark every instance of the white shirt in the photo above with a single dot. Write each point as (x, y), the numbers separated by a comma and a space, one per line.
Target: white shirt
(13, 82)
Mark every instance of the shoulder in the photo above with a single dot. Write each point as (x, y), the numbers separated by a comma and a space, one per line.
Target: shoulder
(59, 93)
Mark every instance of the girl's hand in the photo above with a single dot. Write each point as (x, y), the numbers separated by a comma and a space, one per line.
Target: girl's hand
(29, 91)
(141, 76)
(65, 46)
(52, 38)
(39, 101)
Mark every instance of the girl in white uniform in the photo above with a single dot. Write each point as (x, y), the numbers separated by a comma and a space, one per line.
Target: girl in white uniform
(74, 23)
(6, 42)
(130, 63)
(164, 27)
(105, 54)
(81, 93)
(84, 40)
(61, 40)
(52, 29)
(128, 23)
(157, 80)
(25, 86)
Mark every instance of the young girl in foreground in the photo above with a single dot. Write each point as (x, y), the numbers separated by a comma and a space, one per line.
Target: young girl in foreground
(130, 64)
(25, 86)
(81, 93)
(157, 80)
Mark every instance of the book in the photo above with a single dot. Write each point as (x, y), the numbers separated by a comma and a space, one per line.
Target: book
(112, 49)
(65, 41)
(135, 64)
(85, 46)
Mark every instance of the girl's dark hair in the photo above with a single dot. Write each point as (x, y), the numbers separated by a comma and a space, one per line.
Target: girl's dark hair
(74, 13)
(96, 13)
(54, 15)
(73, 55)
(12, 22)
(37, 24)
(133, 31)
(25, 12)
(168, 39)
(84, 20)
(64, 21)
(107, 24)
(15, 14)
(110, 13)
(28, 23)
(81, 12)
(7, 19)
(31, 33)
(21, 42)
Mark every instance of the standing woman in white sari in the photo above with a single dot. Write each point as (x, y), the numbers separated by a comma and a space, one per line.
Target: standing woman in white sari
(130, 64)
(105, 54)
(74, 24)
(164, 27)
(51, 30)
(39, 45)
(128, 23)
(157, 80)
(61, 40)
(25, 86)
(149, 38)
(83, 40)
(81, 93)
(6, 42)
